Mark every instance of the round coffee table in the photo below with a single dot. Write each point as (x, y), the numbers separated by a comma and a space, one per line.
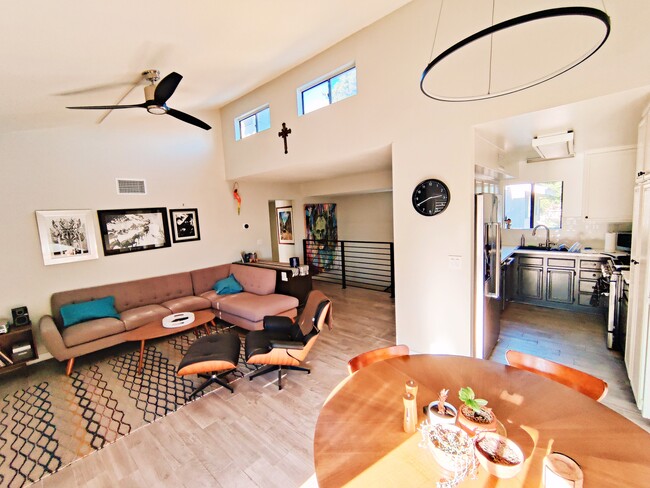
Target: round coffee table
(155, 329)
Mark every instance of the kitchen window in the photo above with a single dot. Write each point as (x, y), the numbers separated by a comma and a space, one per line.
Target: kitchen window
(326, 90)
(252, 122)
(530, 204)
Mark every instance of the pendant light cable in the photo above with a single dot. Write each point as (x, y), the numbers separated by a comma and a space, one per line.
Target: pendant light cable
(435, 36)
(491, 50)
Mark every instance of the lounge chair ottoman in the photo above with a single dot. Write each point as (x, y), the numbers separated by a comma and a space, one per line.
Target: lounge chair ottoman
(212, 357)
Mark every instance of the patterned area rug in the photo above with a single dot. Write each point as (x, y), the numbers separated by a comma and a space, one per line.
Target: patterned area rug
(48, 420)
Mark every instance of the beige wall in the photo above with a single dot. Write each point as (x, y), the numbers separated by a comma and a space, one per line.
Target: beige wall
(429, 140)
(76, 167)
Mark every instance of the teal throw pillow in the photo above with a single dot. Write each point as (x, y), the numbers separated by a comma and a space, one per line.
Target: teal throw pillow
(228, 286)
(94, 309)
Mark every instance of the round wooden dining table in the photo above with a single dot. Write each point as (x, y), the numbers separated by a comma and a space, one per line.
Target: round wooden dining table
(360, 441)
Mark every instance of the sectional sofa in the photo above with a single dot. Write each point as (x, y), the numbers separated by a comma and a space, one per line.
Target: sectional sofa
(142, 301)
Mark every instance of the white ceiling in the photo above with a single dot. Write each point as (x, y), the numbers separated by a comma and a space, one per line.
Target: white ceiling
(608, 121)
(223, 49)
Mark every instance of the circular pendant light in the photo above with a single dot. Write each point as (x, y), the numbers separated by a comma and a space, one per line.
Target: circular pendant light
(588, 12)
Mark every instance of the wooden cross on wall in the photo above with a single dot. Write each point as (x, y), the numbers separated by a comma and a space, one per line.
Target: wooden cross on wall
(284, 133)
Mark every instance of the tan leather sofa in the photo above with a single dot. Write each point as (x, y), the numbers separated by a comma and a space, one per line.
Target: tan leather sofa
(142, 301)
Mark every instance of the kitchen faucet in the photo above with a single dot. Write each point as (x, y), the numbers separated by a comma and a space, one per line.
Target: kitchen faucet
(547, 244)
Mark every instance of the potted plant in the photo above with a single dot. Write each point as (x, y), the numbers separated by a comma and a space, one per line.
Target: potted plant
(441, 412)
(498, 455)
(473, 415)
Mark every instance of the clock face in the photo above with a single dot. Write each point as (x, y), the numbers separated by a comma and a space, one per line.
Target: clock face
(430, 197)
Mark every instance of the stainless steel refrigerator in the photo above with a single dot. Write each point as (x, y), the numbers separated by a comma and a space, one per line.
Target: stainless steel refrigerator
(487, 296)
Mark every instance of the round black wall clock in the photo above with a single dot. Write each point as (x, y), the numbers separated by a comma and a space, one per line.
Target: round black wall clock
(430, 197)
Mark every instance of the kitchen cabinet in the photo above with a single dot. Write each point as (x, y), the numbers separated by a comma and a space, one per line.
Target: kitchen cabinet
(608, 173)
(560, 285)
(558, 280)
(642, 172)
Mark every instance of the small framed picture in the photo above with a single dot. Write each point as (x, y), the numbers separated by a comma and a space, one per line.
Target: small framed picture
(185, 224)
(66, 236)
(131, 230)
(285, 225)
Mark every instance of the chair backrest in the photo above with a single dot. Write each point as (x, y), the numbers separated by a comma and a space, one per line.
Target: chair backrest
(369, 357)
(312, 314)
(578, 380)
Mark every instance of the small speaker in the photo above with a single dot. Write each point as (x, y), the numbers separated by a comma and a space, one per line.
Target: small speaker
(20, 316)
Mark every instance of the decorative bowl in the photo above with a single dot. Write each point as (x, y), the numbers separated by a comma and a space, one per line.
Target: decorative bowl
(498, 455)
(436, 418)
(450, 445)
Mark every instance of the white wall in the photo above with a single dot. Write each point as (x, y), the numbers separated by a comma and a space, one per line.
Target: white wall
(429, 139)
(76, 167)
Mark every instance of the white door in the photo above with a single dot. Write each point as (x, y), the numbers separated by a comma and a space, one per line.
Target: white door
(638, 320)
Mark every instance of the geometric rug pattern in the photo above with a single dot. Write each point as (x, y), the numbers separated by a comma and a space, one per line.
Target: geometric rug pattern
(48, 419)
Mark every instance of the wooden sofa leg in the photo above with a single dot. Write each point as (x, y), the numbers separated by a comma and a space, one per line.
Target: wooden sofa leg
(68, 368)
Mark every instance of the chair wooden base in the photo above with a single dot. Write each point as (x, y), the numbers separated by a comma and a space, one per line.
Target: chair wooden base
(214, 377)
(274, 367)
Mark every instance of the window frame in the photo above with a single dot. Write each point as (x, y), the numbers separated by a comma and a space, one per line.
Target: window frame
(325, 78)
(238, 120)
(533, 202)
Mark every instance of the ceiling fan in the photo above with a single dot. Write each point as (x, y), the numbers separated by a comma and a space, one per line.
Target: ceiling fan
(156, 96)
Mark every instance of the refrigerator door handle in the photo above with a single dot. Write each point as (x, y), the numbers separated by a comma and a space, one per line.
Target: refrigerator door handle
(496, 276)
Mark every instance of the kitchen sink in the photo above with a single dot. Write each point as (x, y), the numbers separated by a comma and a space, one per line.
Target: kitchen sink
(540, 248)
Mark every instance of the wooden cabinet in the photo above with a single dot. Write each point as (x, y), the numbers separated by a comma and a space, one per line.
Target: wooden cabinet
(558, 280)
(17, 335)
(608, 187)
(560, 285)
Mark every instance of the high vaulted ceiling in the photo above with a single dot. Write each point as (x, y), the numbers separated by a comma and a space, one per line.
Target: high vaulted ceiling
(223, 49)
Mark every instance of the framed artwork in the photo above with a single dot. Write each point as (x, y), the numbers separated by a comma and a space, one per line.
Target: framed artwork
(321, 227)
(185, 224)
(285, 225)
(132, 230)
(66, 236)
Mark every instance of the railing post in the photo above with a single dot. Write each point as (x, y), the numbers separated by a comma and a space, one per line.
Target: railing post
(343, 284)
(392, 270)
(304, 253)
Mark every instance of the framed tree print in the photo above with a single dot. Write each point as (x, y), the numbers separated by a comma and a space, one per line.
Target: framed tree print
(66, 236)
(131, 230)
(185, 224)
(285, 225)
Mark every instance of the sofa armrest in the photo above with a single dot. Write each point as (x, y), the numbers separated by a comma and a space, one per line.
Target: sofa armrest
(52, 338)
(277, 323)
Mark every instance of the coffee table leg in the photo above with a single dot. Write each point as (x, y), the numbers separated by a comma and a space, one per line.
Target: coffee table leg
(141, 360)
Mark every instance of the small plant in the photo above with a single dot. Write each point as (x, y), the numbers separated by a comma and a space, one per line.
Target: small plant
(442, 398)
(468, 397)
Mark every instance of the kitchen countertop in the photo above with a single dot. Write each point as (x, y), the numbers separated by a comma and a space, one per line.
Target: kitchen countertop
(507, 251)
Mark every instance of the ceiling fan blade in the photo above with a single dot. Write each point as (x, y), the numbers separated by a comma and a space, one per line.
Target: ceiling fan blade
(124, 95)
(96, 88)
(165, 89)
(108, 107)
(188, 118)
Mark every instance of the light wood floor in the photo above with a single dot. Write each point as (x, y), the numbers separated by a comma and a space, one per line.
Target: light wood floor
(258, 436)
(574, 339)
(262, 437)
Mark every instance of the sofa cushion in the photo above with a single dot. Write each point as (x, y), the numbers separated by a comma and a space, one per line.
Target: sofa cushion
(73, 313)
(91, 330)
(228, 286)
(137, 317)
(260, 281)
(254, 307)
(187, 304)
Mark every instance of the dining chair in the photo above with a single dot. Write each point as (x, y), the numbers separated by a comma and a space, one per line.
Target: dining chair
(366, 358)
(580, 381)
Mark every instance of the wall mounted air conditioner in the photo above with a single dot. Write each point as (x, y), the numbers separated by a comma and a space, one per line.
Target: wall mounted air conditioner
(553, 146)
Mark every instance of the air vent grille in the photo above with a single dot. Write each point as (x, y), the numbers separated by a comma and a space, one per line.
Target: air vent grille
(131, 187)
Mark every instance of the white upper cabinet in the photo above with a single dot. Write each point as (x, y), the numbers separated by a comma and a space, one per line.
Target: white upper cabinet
(642, 169)
(609, 184)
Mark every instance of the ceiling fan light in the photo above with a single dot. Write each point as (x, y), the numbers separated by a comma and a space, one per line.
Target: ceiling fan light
(156, 109)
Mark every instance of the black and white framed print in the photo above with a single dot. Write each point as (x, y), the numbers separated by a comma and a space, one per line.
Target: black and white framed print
(131, 230)
(66, 236)
(185, 224)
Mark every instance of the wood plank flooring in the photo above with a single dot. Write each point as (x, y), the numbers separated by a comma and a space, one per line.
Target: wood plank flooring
(262, 437)
(258, 436)
(575, 339)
